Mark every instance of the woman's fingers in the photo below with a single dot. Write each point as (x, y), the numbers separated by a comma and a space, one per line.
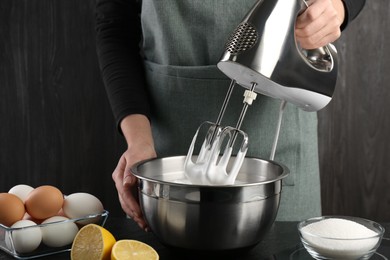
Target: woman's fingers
(318, 25)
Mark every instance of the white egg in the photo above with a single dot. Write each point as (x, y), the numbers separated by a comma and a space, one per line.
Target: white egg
(21, 190)
(26, 239)
(58, 234)
(82, 204)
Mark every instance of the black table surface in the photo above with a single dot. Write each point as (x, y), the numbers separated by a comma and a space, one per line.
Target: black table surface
(281, 242)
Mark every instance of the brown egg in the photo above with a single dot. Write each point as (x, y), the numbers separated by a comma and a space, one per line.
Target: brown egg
(44, 202)
(11, 209)
(28, 217)
(61, 212)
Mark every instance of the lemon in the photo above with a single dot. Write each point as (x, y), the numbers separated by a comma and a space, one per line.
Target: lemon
(92, 242)
(126, 249)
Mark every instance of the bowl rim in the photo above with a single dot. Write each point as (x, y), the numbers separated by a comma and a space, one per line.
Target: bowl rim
(380, 230)
(134, 171)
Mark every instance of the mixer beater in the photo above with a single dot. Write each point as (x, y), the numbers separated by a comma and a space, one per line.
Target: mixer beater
(209, 167)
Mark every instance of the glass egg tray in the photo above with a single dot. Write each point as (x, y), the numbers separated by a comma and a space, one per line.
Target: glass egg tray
(7, 233)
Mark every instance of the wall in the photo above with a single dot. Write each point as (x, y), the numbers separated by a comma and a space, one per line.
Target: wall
(354, 128)
(56, 124)
(57, 127)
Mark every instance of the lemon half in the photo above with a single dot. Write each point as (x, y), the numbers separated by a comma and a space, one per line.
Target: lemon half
(127, 249)
(92, 242)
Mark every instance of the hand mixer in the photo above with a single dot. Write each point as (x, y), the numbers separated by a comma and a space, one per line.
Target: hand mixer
(263, 56)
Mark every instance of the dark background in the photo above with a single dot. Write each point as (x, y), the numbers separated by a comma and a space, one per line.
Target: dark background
(56, 126)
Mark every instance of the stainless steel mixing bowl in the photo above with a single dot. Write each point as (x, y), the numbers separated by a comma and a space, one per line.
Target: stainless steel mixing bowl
(212, 218)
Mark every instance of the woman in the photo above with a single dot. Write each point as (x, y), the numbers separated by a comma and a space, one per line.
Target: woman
(158, 60)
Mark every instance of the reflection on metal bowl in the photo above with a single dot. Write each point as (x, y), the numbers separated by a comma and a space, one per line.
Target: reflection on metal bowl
(212, 218)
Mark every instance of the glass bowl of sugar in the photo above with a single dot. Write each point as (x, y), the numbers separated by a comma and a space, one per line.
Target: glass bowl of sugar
(340, 237)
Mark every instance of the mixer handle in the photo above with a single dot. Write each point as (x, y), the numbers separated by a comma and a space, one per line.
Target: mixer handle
(319, 59)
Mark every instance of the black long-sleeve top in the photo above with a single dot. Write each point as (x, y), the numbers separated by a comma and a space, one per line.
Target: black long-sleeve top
(118, 37)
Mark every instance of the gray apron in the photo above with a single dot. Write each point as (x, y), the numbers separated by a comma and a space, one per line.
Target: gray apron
(182, 43)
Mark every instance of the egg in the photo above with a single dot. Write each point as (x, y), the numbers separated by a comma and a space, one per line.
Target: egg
(26, 239)
(59, 234)
(28, 217)
(44, 202)
(21, 190)
(61, 213)
(11, 209)
(81, 204)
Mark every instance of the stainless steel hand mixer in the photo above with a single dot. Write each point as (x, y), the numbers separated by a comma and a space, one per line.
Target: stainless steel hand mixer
(263, 56)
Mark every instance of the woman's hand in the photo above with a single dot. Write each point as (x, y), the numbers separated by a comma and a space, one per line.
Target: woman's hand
(137, 131)
(320, 23)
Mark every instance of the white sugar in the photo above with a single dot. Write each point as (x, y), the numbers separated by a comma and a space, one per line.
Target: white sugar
(329, 237)
(338, 228)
